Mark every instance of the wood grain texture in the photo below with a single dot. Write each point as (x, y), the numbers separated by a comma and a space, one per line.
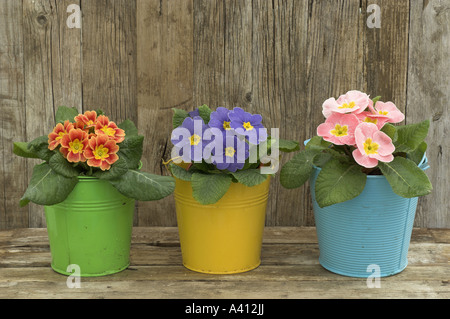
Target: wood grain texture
(335, 66)
(280, 37)
(386, 52)
(165, 80)
(12, 115)
(289, 270)
(109, 58)
(52, 64)
(138, 59)
(428, 96)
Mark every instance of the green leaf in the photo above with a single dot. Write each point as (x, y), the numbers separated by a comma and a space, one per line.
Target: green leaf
(65, 113)
(339, 153)
(390, 131)
(180, 172)
(209, 188)
(205, 113)
(338, 182)
(297, 171)
(129, 128)
(61, 166)
(117, 169)
(144, 186)
(203, 167)
(47, 187)
(406, 178)
(288, 146)
(178, 117)
(250, 177)
(39, 146)
(131, 150)
(21, 149)
(417, 155)
(323, 157)
(411, 136)
(376, 99)
(318, 143)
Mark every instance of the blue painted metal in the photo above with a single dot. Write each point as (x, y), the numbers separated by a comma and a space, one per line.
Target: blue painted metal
(371, 229)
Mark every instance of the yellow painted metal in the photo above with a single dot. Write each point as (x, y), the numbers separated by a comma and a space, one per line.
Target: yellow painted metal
(225, 237)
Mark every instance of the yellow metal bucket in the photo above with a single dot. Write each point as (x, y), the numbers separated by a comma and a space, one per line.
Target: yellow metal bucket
(226, 237)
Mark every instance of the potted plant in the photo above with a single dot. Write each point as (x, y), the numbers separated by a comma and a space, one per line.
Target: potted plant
(222, 172)
(88, 182)
(366, 175)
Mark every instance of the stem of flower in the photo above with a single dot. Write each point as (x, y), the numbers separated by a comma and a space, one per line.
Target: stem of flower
(347, 151)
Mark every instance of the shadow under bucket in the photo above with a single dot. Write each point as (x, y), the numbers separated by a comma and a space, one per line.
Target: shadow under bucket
(371, 231)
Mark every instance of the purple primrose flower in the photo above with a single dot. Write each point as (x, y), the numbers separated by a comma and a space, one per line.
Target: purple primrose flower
(220, 119)
(188, 139)
(194, 113)
(232, 154)
(249, 125)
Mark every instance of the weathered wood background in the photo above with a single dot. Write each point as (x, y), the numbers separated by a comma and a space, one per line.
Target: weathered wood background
(137, 59)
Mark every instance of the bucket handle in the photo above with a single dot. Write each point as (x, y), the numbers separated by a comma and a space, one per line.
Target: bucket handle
(424, 162)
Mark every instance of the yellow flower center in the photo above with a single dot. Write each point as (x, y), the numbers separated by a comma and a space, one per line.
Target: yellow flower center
(347, 105)
(369, 120)
(340, 130)
(76, 146)
(109, 131)
(101, 152)
(60, 135)
(371, 147)
(383, 112)
(226, 125)
(229, 151)
(248, 126)
(195, 139)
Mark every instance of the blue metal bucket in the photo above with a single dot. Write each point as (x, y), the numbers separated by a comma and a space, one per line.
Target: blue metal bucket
(371, 229)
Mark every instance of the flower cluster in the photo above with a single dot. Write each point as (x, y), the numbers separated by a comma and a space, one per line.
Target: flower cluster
(91, 138)
(223, 141)
(354, 120)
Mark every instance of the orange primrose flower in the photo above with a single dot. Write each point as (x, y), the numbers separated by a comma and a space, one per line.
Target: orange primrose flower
(105, 126)
(101, 152)
(74, 144)
(89, 119)
(55, 137)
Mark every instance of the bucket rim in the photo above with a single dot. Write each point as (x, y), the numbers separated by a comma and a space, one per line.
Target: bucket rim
(91, 178)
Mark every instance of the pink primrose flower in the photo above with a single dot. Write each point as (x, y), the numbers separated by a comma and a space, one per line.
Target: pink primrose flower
(372, 146)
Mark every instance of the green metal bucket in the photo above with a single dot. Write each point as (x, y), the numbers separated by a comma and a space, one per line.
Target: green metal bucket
(91, 229)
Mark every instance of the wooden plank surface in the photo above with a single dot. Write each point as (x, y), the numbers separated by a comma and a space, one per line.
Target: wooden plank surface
(12, 115)
(52, 68)
(165, 73)
(289, 270)
(109, 58)
(282, 58)
(428, 96)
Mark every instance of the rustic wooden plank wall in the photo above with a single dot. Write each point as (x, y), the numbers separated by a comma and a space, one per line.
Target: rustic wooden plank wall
(281, 58)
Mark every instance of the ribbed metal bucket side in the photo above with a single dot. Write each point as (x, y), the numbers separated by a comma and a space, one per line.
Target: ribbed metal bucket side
(91, 229)
(225, 237)
(371, 229)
